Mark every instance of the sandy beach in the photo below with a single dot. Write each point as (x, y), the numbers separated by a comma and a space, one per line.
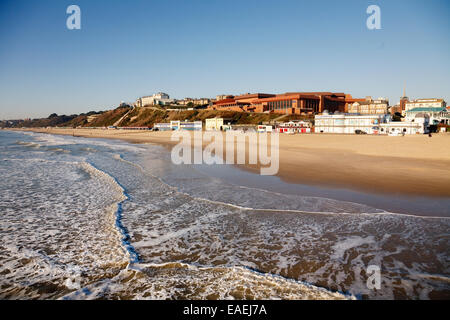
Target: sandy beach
(410, 165)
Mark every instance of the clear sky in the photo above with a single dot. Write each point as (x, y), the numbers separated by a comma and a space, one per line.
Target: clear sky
(201, 48)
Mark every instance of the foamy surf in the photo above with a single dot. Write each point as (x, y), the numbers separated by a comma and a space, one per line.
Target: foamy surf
(111, 220)
(61, 232)
(183, 281)
(133, 256)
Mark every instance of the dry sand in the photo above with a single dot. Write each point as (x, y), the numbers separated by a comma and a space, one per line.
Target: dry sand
(415, 165)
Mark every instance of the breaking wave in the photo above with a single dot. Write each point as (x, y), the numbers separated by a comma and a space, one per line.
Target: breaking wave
(90, 219)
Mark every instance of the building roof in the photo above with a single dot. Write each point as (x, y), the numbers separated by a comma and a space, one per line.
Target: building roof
(425, 109)
(254, 95)
(286, 96)
(426, 100)
(375, 102)
(229, 101)
(353, 100)
(363, 103)
(337, 94)
(225, 101)
(349, 115)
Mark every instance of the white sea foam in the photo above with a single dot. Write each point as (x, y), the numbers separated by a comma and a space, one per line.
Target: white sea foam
(54, 140)
(340, 248)
(196, 236)
(57, 227)
(182, 281)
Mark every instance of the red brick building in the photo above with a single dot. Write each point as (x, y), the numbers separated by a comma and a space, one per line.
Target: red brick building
(287, 103)
(240, 103)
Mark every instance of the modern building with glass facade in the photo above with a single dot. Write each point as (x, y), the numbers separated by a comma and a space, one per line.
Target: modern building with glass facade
(287, 103)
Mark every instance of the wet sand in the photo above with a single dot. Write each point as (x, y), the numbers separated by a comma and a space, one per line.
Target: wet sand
(412, 165)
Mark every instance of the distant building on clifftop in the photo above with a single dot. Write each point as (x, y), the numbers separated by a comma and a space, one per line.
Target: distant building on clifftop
(159, 98)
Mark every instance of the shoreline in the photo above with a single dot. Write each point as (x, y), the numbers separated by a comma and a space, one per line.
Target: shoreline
(407, 166)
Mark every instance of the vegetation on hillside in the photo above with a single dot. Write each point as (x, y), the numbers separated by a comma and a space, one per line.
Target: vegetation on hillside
(148, 116)
(53, 120)
(108, 118)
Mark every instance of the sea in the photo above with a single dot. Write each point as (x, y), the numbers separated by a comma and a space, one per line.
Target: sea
(104, 219)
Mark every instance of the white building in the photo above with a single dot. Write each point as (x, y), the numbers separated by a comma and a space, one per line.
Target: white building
(371, 124)
(216, 124)
(370, 106)
(179, 125)
(159, 98)
(436, 115)
(425, 103)
(191, 126)
(418, 126)
(194, 101)
(348, 123)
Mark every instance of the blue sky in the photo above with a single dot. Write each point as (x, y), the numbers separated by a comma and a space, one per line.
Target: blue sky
(201, 48)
